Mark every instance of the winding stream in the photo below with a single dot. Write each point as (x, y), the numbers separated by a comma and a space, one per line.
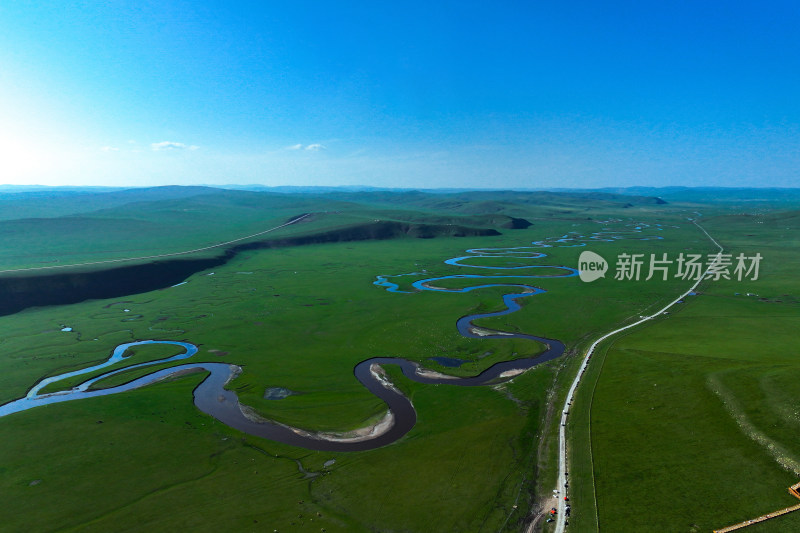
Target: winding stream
(211, 397)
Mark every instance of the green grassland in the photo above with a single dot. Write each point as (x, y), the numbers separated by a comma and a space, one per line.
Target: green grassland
(694, 418)
(164, 220)
(302, 317)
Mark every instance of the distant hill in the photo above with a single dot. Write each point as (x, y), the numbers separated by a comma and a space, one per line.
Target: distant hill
(706, 194)
(509, 203)
(48, 202)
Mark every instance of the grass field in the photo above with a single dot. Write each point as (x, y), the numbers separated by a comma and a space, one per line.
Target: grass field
(694, 419)
(478, 459)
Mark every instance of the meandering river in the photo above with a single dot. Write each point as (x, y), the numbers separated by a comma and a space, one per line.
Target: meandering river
(211, 396)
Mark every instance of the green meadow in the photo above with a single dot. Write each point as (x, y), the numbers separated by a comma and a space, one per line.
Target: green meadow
(677, 415)
(690, 423)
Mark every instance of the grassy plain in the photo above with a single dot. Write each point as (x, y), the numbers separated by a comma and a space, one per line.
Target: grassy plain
(301, 318)
(694, 418)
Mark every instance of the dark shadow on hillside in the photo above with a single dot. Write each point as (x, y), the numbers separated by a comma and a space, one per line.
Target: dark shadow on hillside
(21, 292)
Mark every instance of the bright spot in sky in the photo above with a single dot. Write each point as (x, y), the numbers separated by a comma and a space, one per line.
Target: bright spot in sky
(526, 94)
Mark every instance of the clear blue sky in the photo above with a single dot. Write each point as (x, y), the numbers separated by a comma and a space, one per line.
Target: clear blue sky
(415, 94)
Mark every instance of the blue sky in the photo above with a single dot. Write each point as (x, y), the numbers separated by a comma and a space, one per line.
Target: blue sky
(415, 94)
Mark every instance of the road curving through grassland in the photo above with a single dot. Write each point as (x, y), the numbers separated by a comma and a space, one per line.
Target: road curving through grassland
(562, 485)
